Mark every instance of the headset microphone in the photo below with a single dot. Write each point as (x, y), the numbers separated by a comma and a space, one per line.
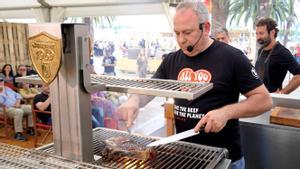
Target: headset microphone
(190, 48)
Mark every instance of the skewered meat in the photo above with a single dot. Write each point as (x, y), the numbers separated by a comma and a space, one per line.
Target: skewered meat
(124, 147)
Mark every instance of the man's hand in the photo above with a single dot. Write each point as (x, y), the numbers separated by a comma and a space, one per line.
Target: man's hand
(278, 91)
(185, 89)
(17, 104)
(214, 121)
(128, 111)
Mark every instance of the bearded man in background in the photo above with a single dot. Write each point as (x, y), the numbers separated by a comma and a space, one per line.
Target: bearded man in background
(274, 60)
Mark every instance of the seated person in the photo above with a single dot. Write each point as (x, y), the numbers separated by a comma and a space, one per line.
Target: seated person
(42, 102)
(11, 100)
(7, 75)
(222, 35)
(30, 70)
(21, 71)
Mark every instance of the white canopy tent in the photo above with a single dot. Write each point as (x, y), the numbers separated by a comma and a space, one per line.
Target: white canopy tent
(56, 10)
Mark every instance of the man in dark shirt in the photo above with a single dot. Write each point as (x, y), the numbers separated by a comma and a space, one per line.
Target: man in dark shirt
(109, 62)
(274, 60)
(30, 70)
(202, 59)
(43, 102)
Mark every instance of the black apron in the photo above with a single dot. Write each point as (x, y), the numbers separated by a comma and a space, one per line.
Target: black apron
(262, 66)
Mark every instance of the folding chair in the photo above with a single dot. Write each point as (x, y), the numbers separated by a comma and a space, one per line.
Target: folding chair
(8, 122)
(39, 126)
(4, 120)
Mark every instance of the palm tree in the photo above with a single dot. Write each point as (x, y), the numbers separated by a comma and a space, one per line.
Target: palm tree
(104, 21)
(91, 21)
(219, 13)
(290, 22)
(99, 21)
(280, 10)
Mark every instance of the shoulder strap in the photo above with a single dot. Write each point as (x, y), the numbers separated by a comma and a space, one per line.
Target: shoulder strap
(267, 63)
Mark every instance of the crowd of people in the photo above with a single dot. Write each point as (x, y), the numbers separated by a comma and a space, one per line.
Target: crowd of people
(20, 98)
(100, 46)
(16, 98)
(139, 49)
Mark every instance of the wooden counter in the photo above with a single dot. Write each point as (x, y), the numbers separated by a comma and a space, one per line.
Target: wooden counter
(285, 116)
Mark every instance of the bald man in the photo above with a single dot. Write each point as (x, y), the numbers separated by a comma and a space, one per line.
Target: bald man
(222, 35)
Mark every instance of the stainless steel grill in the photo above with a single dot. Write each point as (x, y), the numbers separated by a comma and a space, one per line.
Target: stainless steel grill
(154, 87)
(178, 155)
(71, 103)
(12, 157)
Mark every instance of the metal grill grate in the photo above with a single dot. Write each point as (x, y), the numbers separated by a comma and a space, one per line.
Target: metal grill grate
(154, 87)
(175, 155)
(12, 157)
(178, 155)
(33, 79)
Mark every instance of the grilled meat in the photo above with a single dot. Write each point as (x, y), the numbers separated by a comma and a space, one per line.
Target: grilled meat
(124, 147)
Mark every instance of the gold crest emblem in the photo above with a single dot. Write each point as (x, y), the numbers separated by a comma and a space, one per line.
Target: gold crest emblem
(45, 54)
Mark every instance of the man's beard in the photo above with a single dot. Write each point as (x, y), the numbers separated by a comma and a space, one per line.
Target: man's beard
(264, 42)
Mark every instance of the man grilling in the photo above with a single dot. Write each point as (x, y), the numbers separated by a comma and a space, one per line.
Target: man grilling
(202, 59)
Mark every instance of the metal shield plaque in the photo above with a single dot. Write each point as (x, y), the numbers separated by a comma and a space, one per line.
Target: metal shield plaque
(45, 54)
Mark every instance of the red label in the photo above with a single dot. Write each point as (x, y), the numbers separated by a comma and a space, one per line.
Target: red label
(189, 75)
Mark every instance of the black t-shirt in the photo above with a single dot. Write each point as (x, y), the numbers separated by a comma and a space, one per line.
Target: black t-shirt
(230, 72)
(109, 60)
(41, 98)
(275, 67)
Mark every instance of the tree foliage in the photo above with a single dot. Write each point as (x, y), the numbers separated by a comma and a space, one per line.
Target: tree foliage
(246, 10)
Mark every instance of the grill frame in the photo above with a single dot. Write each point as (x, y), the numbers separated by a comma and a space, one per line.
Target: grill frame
(13, 157)
(143, 86)
(154, 87)
(100, 134)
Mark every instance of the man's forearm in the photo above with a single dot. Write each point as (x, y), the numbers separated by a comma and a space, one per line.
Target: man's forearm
(43, 105)
(292, 85)
(257, 102)
(248, 108)
(141, 100)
